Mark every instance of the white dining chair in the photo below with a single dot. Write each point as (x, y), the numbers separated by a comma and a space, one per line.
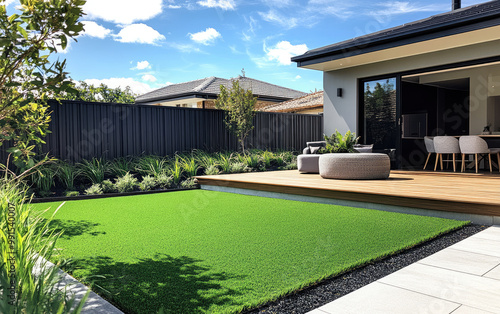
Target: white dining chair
(474, 145)
(446, 145)
(429, 146)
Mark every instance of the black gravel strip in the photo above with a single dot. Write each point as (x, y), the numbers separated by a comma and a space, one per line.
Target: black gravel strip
(313, 297)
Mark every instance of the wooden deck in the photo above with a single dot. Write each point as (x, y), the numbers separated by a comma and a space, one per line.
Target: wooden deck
(454, 192)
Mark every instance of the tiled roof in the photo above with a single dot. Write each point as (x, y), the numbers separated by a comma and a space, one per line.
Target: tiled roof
(443, 21)
(309, 101)
(211, 85)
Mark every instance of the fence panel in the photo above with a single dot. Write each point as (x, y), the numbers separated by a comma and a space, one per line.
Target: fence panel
(82, 130)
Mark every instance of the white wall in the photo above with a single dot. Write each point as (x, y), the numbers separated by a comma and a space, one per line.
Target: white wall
(340, 113)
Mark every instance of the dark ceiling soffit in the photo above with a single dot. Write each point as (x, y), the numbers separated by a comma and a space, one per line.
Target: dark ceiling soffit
(366, 46)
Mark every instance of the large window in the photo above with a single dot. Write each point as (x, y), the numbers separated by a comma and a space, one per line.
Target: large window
(380, 123)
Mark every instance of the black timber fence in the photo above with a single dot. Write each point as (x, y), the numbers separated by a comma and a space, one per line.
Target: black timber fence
(82, 130)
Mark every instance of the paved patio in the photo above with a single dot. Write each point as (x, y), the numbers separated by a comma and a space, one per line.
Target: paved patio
(463, 278)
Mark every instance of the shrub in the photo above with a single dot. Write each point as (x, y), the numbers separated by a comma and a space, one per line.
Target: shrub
(291, 166)
(225, 162)
(67, 174)
(164, 181)
(71, 193)
(338, 143)
(251, 161)
(238, 167)
(189, 166)
(188, 184)
(94, 189)
(126, 183)
(176, 171)
(107, 186)
(120, 166)
(93, 170)
(152, 165)
(148, 183)
(212, 170)
(43, 179)
(35, 242)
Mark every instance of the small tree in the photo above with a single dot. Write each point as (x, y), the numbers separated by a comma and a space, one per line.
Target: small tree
(27, 77)
(239, 105)
(102, 93)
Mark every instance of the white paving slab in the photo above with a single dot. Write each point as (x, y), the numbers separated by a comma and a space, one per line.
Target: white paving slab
(380, 298)
(478, 245)
(492, 233)
(467, 262)
(469, 310)
(474, 291)
(494, 273)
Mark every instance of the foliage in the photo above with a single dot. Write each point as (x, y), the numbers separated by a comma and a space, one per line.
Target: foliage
(120, 166)
(226, 253)
(93, 170)
(102, 93)
(147, 183)
(67, 174)
(27, 76)
(71, 193)
(189, 166)
(152, 165)
(126, 183)
(225, 162)
(107, 186)
(94, 189)
(338, 143)
(212, 170)
(188, 184)
(164, 181)
(238, 167)
(176, 171)
(43, 178)
(26, 244)
(239, 107)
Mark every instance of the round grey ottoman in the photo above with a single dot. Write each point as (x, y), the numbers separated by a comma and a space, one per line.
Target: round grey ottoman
(361, 166)
(308, 163)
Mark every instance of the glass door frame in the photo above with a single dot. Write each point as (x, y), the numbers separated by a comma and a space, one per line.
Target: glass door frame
(361, 112)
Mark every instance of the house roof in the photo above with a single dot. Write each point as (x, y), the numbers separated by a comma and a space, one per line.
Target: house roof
(309, 101)
(210, 87)
(453, 22)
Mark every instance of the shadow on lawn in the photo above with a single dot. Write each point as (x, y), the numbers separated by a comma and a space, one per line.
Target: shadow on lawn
(178, 285)
(72, 228)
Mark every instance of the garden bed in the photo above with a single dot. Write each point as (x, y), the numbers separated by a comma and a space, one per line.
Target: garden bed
(202, 251)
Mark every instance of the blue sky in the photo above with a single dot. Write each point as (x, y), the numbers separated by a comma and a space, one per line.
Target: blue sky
(148, 44)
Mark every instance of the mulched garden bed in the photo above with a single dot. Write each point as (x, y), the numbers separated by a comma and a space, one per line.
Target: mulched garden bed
(313, 297)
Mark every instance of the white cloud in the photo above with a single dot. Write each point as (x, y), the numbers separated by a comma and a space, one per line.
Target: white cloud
(205, 37)
(284, 51)
(123, 11)
(390, 8)
(298, 77)
(223, 4)
(7, 2)
(169, 83)
(185, 47)
(148, 78)
(122, 82)
(56, 42)
(139, 33)
(141, 65)
(93, 29)
(277, 18)
(171, 6)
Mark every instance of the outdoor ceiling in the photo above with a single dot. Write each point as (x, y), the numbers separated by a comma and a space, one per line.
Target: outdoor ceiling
(439, 44)
(180, 101)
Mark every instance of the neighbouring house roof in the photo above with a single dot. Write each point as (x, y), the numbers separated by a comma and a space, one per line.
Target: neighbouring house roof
(449, 23)
(309, 101)
(210, 87)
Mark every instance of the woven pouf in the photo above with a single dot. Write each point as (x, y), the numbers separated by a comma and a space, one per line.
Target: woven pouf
(360, 166)
(308, 163)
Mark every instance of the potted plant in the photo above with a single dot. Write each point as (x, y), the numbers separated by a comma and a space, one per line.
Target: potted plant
(338, 143)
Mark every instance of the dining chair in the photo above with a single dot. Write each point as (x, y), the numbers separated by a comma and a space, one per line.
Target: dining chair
(475, 145)
(446, 145)
(429, 146)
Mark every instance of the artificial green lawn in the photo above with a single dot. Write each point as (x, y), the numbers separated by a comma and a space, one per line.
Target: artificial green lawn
(202, 251)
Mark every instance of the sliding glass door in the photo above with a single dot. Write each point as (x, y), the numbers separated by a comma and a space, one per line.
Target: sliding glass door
(379, 115)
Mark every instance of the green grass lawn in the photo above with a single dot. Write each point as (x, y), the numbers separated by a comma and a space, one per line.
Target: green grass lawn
(202, 251)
